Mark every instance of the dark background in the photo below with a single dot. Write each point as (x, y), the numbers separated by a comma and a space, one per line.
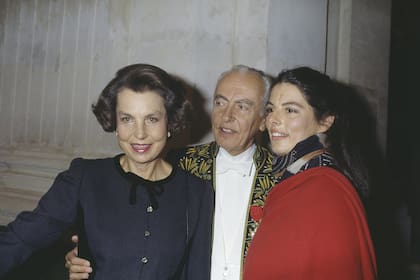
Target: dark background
(403, 126)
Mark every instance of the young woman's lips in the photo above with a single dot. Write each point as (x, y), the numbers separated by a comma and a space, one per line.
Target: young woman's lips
(278, 135)
(140, 148)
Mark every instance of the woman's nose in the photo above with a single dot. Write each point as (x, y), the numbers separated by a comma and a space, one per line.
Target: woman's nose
(140, 132)
(273, 119)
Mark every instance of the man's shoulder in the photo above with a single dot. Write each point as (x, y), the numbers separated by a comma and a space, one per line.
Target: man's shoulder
(197, 160)
(205, 150)
(263, 150)
(263, 157)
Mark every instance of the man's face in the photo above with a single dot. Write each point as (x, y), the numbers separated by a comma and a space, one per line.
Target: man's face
(237, 111)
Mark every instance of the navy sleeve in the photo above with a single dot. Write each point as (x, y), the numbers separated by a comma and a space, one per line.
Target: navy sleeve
(199, 257)
(33, 230)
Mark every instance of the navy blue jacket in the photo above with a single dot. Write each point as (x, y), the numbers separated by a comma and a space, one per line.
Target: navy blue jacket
(131, 228)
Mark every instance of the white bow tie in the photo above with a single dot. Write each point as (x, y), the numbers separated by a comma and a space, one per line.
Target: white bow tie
(240, 166)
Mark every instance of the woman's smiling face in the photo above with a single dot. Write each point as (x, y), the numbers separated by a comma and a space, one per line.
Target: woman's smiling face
(142, 125)
(289, 118)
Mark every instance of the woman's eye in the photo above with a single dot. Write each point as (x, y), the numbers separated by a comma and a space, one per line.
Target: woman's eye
(268, 110)
(125, 119)
(291, 110)
(152, 120)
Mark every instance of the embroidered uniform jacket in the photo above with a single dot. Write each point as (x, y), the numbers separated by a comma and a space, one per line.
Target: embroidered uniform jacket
(200, 161)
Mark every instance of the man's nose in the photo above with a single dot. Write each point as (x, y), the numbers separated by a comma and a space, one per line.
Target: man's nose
(228, 113)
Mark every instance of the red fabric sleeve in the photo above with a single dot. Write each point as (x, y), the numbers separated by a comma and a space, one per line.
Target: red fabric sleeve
(313, 227)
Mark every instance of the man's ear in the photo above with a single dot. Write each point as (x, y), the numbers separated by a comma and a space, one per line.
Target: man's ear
(326, 123)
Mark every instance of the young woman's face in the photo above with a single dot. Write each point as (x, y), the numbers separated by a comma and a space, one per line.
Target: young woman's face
(289, 118)
(142, 125)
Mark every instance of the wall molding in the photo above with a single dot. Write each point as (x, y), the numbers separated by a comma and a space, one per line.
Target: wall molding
(26, 173)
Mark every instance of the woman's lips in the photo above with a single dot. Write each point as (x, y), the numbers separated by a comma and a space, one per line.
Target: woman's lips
(141, 148)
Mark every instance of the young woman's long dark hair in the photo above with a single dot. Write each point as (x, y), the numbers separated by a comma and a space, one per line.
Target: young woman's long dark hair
(325, 98)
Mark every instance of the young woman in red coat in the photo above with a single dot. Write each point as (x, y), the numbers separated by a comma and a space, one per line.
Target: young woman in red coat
(313, 224)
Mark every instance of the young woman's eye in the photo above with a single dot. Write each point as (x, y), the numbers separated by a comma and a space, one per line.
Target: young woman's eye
(291, 110)
(268, 110)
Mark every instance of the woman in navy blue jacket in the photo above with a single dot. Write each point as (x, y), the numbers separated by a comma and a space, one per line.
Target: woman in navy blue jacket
(139, 217)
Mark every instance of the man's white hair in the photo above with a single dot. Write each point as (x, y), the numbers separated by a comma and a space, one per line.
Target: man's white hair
(240, 68)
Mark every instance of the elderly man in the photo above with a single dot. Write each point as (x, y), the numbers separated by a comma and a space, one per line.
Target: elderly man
(239, 169)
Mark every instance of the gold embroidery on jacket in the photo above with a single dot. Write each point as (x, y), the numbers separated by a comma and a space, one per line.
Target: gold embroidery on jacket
(199, 161)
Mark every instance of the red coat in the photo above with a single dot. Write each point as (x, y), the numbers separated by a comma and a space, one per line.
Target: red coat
(313, 227)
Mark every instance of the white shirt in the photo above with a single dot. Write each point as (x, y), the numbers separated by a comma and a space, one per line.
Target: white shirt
(234, 178)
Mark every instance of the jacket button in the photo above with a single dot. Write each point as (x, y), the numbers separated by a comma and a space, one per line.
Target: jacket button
(146, 233)
(144, 260)
(149, 209)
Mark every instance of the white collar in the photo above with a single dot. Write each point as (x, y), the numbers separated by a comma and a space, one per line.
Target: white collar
(246, 155)
(241, 163)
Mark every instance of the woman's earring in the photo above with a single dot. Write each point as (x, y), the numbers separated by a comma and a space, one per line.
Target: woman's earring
(169, 134)
(116, 133)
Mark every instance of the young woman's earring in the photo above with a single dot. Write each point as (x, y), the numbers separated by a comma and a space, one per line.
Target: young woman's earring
(169, 134)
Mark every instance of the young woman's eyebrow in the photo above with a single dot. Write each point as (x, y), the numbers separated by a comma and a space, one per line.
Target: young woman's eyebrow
(292, 103)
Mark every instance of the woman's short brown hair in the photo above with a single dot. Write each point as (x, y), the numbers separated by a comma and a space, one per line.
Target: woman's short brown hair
(140, 78)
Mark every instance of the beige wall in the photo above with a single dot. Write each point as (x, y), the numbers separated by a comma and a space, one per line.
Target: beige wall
(56, 56)
(358, 52)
